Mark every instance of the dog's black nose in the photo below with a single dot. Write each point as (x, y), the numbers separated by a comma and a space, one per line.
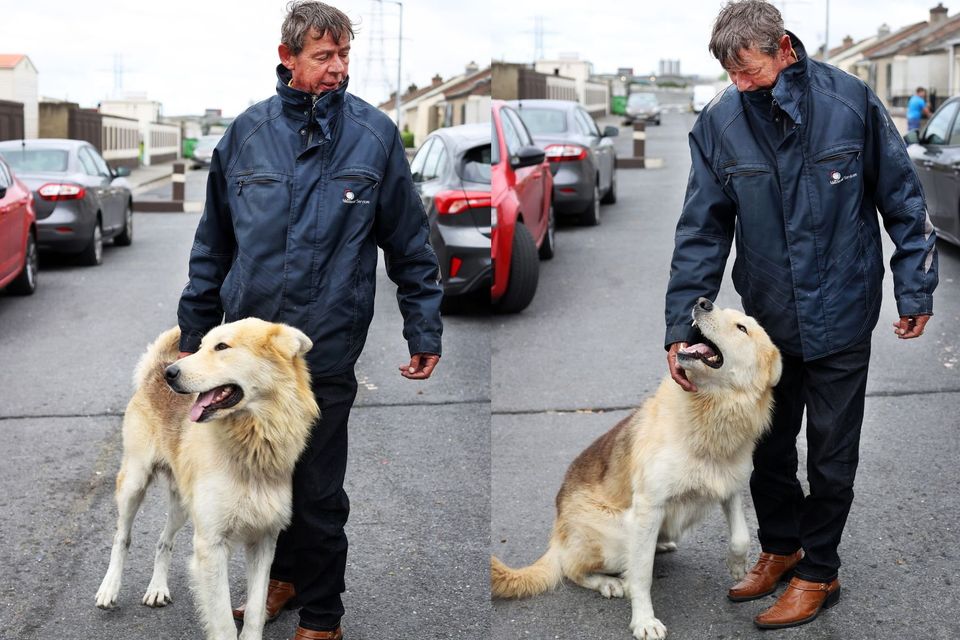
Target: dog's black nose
(171, 373)
(705, 304)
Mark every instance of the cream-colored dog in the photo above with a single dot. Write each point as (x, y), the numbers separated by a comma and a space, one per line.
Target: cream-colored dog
(225, 425)
(638, 487)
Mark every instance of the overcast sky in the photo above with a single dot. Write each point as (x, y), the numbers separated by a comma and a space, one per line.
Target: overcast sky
(197, 54)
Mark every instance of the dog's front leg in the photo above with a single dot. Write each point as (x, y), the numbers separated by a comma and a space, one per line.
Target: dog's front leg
(211, 585)
(259, 559)
(739, 536)
(643, 526)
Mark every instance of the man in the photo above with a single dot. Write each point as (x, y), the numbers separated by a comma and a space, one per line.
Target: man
(917, 109)
(302, 189)
(793, 161)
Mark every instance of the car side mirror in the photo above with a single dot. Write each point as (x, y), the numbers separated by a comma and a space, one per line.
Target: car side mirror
(610, 132)
(912, 137)
(120, 172)
(3, 193)
(527, 157)
(554, 168)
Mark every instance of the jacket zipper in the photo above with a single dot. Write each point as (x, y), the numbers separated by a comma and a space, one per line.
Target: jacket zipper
(837, 156)
(360, 177)
(744, 174)
(256, 181)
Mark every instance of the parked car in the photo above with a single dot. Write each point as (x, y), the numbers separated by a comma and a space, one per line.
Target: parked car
(935, 151)
(78, 199)
(203, 152)
(451, 171)
(702, 95)
(643, 106)
(18, 235)
(585, 157)
(523, 222)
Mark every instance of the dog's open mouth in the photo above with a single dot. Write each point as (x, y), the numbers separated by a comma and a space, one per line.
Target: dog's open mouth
(704, 351)
(209, 402)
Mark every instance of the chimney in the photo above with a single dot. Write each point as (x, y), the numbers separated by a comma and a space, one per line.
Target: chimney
(847, 42)
(436, 81)
(472, 67)
(883, 31)
(938, 14)
(411, 89)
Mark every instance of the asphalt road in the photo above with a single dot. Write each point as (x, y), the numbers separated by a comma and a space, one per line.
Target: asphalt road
(418, 475)
(590, 347)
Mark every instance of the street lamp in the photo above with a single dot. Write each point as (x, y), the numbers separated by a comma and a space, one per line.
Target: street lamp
(399, 55)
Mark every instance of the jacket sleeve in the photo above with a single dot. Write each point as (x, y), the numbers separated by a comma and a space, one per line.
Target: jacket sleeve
(701, 246)
(212, 254)
(899, 198)
(403, 233)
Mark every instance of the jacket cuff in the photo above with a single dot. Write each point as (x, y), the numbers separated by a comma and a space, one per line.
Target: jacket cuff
(677, 333)
(424, 344)
(918, 305)
(190, 341)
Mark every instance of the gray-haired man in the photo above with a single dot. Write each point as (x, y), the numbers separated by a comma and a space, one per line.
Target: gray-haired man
(302, 190)
(793, 162)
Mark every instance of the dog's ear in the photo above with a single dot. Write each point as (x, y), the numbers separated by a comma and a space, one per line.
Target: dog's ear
(776, 366)
(293, 341)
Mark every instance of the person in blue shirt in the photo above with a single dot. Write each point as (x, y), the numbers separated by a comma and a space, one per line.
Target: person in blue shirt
(917, 108)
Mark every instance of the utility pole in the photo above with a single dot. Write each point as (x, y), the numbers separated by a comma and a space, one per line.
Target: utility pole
(399, 58)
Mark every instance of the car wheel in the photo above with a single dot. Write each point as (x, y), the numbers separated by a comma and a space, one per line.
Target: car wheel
(611, 196)
(524, 272)
(548, 246)
(26, 283)
(125, 239)
(93, 254)
(658, 121)
(590, 217)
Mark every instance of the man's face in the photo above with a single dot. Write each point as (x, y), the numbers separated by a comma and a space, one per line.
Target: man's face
(321, 65)
(759, 70)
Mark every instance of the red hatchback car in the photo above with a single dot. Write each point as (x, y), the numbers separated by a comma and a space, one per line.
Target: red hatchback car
(521, 193)
(18, 235)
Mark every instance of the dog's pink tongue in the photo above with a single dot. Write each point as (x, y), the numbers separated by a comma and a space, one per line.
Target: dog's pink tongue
(204, 400)
(701, 349)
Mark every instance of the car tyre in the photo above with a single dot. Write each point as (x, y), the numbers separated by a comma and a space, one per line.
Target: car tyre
(611, 196)
(590, 217)
(524, 273)
(125, 239)
(26, 282)
(548, 246)
(93, 254)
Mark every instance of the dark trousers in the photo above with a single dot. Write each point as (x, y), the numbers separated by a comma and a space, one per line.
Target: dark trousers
(312, 551)
(832, 391)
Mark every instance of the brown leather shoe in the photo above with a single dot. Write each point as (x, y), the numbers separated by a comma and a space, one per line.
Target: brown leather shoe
(278, 595)
(799, 604)
(310, 634)
(762, 579)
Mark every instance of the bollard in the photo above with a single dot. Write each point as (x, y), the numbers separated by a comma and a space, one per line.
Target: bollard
(179, 181)
(639, 140)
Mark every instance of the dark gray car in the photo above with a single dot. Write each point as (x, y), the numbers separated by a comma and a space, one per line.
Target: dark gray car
(79, 200)
(584, 156)
(935, 151)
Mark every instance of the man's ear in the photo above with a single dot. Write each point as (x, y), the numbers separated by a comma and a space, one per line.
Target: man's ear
(785, 45)
(287, 59)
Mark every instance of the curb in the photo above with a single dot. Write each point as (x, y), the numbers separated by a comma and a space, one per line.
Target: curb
(168, 206)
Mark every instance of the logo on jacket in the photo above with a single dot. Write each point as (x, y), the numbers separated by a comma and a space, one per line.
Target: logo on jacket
(836, 177)
(349, 197)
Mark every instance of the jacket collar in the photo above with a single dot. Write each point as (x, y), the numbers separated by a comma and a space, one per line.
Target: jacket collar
(303, 107)
(792, 83)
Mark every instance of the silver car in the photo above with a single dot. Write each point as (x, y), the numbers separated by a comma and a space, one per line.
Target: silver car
(583, 157)
(643, 106)
(203, 152)
(79, 200)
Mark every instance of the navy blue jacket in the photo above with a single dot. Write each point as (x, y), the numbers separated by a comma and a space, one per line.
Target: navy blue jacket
(300, 193)
(796, 177)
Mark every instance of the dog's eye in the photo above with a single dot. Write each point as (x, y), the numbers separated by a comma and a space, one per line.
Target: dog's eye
(743, 328)
(221, 346)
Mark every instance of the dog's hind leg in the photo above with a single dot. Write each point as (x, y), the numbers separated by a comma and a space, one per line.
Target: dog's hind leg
(211, 584)
(158, 592)
(259, 558)
(595, 553)
(132, 481)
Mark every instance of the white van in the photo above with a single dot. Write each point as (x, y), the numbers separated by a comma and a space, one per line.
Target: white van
(702, 95)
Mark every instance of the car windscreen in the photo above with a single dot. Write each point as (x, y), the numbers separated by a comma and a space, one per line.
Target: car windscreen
(475, 166)
(36, 160)
(543, 120)
(207, 142)
(641, 99)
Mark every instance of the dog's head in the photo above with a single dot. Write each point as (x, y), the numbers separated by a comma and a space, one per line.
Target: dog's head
(237, 364)
(732, 351)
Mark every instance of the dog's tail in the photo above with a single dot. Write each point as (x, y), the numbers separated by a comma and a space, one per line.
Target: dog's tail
(160, 353)
(544, 574)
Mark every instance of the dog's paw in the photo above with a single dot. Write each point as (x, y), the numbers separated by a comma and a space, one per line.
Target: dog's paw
(611, 587)
(737, 564)
(666, 547)
(649, 629)
(157, 596)
(108, 592)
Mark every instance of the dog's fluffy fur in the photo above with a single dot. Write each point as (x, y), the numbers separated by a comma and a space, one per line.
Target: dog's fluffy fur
(636, 489)
(226, 426)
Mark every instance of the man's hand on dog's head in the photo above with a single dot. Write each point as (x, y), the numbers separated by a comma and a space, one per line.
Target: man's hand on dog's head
(420, 367)
(676, 371)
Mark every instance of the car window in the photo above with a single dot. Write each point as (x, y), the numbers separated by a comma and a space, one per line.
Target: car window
(955, 133)
(510, 136)
(642, 99)
(938, 129)
(5, 180)
(475, 165)
(89, 166)
(544, 120)
(101, 164)
(588, 122)
(495, 151)
(36, 160)
(523, 134)
(416, 166)
(435, 161)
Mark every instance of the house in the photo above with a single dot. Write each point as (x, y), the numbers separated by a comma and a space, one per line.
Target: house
(594, 96)
(18, 83)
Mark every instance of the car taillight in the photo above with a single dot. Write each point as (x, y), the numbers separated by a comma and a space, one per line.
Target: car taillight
(448, 202)
(565, 152)
(57, 191)
(455, 264)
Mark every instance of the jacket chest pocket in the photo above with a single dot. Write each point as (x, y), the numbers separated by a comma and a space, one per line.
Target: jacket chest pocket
(753, 186)
(260, 204)
(837, 165)
(353, 193)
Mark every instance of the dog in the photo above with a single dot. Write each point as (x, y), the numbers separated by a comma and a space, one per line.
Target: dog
(638, 487)
(225, 425)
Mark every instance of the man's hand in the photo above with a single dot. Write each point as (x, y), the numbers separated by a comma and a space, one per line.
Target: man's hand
(910, 326)
(420, 367)
(676, 371)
